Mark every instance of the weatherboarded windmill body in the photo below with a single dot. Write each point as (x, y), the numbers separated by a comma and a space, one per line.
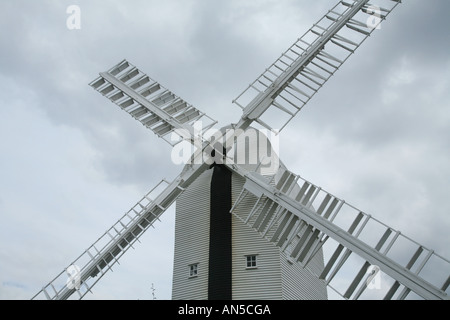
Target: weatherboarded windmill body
(247, 227)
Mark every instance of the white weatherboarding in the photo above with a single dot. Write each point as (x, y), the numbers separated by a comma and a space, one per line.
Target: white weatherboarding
(290, 214)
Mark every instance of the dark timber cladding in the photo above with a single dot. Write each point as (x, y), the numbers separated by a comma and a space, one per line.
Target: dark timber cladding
(219, 282)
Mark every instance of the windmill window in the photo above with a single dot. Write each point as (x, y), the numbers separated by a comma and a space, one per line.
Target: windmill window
(251, 262)
(193, 270)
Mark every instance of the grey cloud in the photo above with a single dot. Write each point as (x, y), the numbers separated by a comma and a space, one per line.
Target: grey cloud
(371, 135)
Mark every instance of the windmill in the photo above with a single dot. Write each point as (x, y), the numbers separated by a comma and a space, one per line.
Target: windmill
(293, 214)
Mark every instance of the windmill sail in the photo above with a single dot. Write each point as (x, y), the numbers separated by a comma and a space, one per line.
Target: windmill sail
(301, 218)
(156, 107)
(279, 94)
(91, 266)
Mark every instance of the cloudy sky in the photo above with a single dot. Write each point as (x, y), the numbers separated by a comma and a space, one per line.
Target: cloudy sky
(72, 163)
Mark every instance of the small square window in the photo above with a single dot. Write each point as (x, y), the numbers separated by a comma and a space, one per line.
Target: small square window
(251, 262)
(193, 270)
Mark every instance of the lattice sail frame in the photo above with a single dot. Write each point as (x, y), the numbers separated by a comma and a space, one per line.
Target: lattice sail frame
(157, 108)
(301, 219)
(282, 91)
(99, 258)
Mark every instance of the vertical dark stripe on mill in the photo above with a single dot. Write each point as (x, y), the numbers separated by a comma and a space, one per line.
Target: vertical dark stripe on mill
(220, 282)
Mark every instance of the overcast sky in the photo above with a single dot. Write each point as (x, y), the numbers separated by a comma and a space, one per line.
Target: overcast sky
(72, 163)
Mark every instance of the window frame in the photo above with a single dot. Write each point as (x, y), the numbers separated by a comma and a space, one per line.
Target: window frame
(193, 270)
(251, 261)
